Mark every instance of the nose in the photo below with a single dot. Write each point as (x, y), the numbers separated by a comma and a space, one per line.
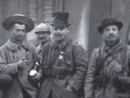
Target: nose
(58, 31)
(20, 32)
(41, 35)
(111, 31)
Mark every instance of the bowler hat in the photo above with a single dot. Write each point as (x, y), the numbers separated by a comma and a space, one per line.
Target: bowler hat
(109, 21)
(5, 81)
(42, 27)
(18, 18)
(60, 19)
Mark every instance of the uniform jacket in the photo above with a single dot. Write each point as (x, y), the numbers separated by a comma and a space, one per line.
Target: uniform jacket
(63, 66)
(9, 56)
(104, 72)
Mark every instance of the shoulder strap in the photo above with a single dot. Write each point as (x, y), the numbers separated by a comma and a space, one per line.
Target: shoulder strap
(103, 59)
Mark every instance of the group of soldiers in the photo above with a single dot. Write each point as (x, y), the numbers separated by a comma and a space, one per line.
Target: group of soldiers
(58, 67)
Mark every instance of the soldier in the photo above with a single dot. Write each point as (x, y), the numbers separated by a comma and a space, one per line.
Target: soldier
(43, 33)
(17, 58)
(108, 74)
(64, 62)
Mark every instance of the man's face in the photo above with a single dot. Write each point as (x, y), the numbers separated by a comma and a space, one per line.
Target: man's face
(59, 33)
(18, 31)
(111, 33)
(43, 36)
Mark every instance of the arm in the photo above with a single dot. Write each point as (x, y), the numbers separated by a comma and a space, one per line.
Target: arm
(80, 64)
(5, 67)
(90, 77)
(35, 59)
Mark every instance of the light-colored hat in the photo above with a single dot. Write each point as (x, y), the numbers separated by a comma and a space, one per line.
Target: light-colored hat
(42, 27)
(18, 18)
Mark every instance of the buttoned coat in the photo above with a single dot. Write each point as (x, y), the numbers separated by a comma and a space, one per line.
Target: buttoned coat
(69, 63)
(21, 78)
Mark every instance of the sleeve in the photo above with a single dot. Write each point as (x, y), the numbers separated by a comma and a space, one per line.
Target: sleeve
(90, 77)
(4, 66)
(80, 64)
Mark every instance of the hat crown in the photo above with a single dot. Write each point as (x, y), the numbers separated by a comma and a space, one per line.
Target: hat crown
(18, 18)
(60, 18)
(42, 27)
(108, 20)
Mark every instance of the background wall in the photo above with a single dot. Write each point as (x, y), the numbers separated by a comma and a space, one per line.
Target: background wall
(79, 19)
(100, 9)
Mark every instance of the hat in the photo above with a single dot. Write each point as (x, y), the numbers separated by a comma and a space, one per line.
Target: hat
(109, 21)
(5, 81)
(18, 18)
(42, 27)
(60, 19)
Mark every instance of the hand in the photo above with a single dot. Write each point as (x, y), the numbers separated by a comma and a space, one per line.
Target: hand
(37, 76)
(69, 88)
(22, 62)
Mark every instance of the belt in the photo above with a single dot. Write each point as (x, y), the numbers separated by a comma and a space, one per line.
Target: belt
(61, 76)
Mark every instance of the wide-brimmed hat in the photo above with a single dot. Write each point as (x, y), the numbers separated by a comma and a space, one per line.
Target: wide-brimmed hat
(18, 18)
(42, 28)
(109, 21)
(60, 19)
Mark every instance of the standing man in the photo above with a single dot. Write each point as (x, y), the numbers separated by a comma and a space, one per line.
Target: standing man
(108, 74)
(17, 58)
(43, 33)
(64, 62)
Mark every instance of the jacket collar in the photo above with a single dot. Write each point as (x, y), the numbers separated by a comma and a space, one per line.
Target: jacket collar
(14, 47)
(107, 48)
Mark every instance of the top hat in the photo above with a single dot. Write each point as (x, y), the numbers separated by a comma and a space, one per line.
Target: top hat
(42, 28)
(109, 21)
(18, 18)
(60, 19)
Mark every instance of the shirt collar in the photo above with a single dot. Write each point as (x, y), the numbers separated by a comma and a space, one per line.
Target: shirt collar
(14, 47)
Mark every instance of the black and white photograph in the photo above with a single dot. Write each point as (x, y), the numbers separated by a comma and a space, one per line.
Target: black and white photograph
(64, 48)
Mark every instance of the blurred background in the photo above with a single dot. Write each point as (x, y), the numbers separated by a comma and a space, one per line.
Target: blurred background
(85, 17)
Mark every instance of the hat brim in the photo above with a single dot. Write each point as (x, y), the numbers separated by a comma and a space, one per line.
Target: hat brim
(18, 19)
(101, 27)
(61, 25)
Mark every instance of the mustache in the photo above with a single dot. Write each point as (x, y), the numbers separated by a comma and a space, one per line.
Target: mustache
(42, 38)
(58, 34)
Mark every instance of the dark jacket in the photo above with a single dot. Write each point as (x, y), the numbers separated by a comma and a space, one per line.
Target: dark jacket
(107, 68)
(9, 56)
(61, 67)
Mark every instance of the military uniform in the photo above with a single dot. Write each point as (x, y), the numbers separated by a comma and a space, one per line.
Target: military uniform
(109, 71)
(62, 65)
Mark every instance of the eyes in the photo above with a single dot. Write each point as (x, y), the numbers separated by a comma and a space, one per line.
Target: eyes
(111, 29)
(59, 28)
(19, 30)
